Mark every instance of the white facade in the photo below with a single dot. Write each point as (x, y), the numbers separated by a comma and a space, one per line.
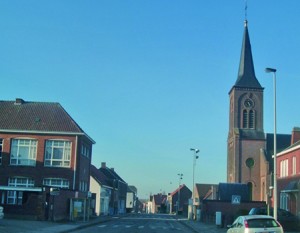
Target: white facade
(103, 195)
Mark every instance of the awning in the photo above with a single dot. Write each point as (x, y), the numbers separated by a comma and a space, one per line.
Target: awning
(23, 189)
(292, 186)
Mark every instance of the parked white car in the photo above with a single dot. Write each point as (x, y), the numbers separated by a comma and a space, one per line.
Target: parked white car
(255, 224)
(1, 212)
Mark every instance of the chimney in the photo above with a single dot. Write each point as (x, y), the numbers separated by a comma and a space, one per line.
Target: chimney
(295, 135)
(103, 165)
(19, 101)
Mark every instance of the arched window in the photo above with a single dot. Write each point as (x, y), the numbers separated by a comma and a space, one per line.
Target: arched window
(251, 119)
(248, 119)
(245, 119)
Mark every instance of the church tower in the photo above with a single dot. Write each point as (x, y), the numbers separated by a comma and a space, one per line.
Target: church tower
(246, 135)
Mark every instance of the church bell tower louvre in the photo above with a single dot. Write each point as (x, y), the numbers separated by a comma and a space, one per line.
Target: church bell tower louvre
(246, 135)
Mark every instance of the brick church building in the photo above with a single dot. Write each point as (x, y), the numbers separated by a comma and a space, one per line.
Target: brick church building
(249, 148)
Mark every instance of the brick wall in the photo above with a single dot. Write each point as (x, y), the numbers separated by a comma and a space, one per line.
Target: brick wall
(229, 211)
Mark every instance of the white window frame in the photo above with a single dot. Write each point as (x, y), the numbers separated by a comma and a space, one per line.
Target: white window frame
(284, 200)
(14, 197)
(284, 168)
(23, 152)
(56, 182)
(85, 151)
(1, 146)
(294, 165)
(58, 153)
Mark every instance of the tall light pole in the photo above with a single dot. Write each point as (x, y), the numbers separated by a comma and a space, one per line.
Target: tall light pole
(195, 156)
(272, 70)
(178, 199)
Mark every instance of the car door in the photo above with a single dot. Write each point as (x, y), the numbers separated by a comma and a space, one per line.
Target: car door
(236, 226)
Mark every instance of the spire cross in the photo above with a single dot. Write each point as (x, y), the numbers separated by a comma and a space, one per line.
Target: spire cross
(246, 7)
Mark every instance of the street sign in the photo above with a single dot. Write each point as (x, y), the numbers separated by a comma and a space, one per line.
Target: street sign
(236, 199)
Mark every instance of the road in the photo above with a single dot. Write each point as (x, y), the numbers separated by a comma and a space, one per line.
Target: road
(143, 223)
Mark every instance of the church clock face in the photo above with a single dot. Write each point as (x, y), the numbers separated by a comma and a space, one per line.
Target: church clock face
(248, 103)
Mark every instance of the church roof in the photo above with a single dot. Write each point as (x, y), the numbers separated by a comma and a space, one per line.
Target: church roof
(246, 74)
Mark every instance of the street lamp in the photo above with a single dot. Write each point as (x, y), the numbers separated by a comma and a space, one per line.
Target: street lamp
(272, 70)
(193, 194)
(178, 199)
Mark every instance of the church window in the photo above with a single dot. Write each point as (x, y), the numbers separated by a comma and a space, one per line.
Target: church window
(245, 119)
(250, 162)
(251, 119)
(248, 119)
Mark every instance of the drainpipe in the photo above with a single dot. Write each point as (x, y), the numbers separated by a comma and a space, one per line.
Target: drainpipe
(75, 162)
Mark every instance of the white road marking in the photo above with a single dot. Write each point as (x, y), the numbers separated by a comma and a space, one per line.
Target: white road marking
(102, 226)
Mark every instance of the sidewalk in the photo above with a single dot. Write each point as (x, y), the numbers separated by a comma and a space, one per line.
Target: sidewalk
(27, 226)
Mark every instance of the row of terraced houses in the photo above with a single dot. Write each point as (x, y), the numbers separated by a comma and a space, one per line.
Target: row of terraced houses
(45, 166)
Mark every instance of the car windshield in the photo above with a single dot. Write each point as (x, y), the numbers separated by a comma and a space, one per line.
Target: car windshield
(262, 223)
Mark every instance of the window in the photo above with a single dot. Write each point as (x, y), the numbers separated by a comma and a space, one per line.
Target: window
(248, 119)
(58, 153)
(16, 197)
(1, 144)
(20, 182)
(56, 182)
(83, 186)
(250, 162)
(284, 168)
(85, 150)
(294, 168)
(251, 119)
(245, 119)
(23, 152)
(284, 200)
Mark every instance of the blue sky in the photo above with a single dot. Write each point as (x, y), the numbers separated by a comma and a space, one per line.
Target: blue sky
(148, 80)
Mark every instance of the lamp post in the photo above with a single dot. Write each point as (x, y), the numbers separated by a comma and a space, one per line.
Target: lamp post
(195, 156)
(272, 70)
(178, 199)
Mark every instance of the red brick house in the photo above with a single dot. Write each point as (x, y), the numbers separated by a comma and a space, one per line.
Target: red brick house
(157, 203)
(44, 161)
(178, 200)
(288, 175)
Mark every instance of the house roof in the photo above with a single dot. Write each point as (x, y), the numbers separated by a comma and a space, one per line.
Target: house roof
(132, 189)
(179, 188)
(292, 186)
(205, 190)
(246, 74)
(283, 141)
(159, 199)
(99, 176)
(111, 174)
(227, 190)
(38, 117)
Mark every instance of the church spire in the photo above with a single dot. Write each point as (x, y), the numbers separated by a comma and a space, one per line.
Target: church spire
(246, 75)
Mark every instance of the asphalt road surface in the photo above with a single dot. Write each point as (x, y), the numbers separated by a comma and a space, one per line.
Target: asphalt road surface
(143, 223)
